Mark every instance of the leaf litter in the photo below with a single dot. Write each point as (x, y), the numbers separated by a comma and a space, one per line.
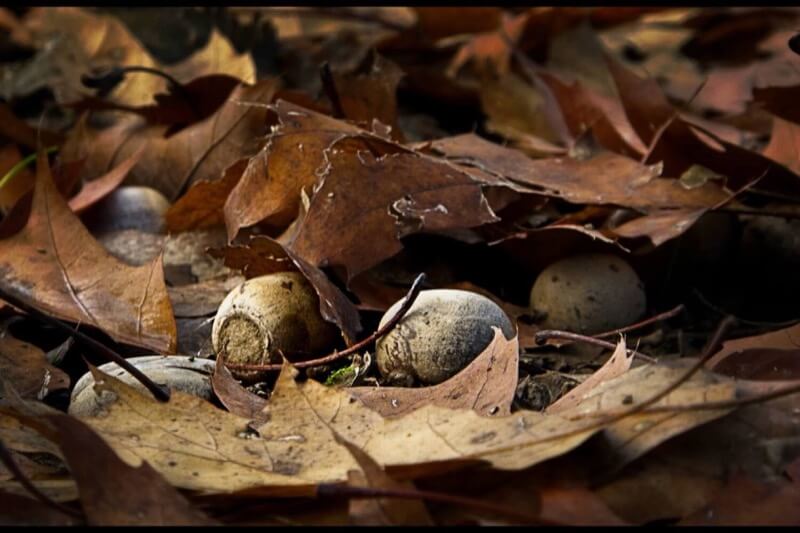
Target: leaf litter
(361, 147)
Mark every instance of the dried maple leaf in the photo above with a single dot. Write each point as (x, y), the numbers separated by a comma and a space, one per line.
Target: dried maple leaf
(197, 446)
(56, 266)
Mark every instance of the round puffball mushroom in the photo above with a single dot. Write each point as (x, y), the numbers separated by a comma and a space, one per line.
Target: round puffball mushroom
(271, 315)
(126, 208)
(191, 375)
(442, 332)
(588, 293)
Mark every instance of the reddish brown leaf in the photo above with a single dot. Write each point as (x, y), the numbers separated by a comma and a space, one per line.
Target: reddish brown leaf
(490, 51)
(202, 205)
(408, 194)
(235, 398)
(660, 226)
(577, 507)
(369, 93)
(26, 368)
(99, 188)
(606, 178)
(784, 145)
(269, 189)
(183, 105)
(381, 511)
(680, 144)
(582, 112)
(55, 265)
(486, 386)
(768, 356)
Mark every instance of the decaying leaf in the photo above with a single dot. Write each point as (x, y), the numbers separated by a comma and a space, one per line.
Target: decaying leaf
(295, 448)
(55, 265)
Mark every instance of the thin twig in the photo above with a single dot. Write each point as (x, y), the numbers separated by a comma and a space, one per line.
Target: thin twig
(723, 327)
(329, 85)
(27, 484)
(666, 315)
(334, 490)
(389, 326)
(541, 337)
(161, 393)
(703, 300)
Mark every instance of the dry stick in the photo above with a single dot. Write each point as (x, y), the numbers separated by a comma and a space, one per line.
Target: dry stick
(332, 489)
(389, 326)
(729, 404)
(329, 85)
(161, 393)
(541, 337)
(666, 315)
(27, 484)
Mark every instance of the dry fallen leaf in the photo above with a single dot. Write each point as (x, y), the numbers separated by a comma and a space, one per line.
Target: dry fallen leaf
(486, 386)
(143, 498)
(619, 363)
(409, 194)
(26, 368)
(55, 265)
(201, 151)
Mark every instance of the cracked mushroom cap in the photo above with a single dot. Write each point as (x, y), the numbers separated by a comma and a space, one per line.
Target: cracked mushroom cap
(269, 315)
